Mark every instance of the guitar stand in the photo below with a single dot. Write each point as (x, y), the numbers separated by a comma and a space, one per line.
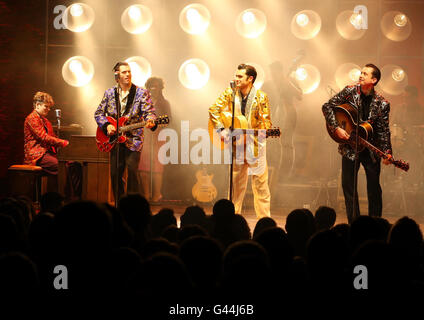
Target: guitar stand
(323, 185)
(400, 183)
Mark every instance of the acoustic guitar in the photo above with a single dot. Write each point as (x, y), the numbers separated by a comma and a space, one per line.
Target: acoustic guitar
(106, 143)
(345, 115)
(240, 123)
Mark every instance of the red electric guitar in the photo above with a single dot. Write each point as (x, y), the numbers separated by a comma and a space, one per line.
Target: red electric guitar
(106, 143)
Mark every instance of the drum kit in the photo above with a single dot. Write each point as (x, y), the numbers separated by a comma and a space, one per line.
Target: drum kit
(400, 136)
(410, 144)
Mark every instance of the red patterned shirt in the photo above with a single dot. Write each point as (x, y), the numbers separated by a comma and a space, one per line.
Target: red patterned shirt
(38, 138)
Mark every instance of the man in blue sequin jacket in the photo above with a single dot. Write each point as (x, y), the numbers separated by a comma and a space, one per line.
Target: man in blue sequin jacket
(136, 105)
(374, 109)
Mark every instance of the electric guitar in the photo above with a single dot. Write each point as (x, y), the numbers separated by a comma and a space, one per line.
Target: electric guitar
(106, 143)
(204, 190)
(345, 115)
(240, 123)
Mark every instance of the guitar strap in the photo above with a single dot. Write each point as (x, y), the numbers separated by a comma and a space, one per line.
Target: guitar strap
(249, 103)
(253, 146)
(130, 99)
(117, 102)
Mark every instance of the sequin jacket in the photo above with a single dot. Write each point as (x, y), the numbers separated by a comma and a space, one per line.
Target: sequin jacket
(260, 117)
(378, 117)
(38, 138)
(140, 109)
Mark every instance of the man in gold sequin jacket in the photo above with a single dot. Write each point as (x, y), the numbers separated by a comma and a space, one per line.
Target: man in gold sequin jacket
(253, 105)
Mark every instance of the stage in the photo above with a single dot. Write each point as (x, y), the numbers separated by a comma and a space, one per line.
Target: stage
(278, 213)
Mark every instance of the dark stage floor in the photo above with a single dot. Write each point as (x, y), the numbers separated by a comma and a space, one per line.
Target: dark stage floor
(279, 213)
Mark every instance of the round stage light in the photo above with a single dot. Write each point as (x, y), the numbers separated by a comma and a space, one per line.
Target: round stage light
(141, 70)
(135, 13)
(398, 74)
(306, 24)
(354, 74)
(393, 79)
(248, 17)
(195, 18)
(194, 74)
(356, 20)
(78, 17)
(77, 71)
(302, 19)
(251, 23)
(308, 78)
(396, 26)
(349, 25)
(260, 77)
(136, 19)
(301, 74)
(347, 74)
(400, 20)
(76, 10)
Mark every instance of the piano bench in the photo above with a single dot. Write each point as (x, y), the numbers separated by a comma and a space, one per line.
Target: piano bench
(27, 180)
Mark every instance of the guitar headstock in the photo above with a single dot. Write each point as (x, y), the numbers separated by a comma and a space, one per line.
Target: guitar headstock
(162, 120)
(401, 165)
(273, 132)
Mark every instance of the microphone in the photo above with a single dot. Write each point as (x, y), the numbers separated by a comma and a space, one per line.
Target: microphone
(232, 84)
(58, 113)
(331, 89)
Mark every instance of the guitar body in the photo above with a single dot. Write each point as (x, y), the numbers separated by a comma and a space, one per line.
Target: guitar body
(345, 116)
(106, 143)
(240, 122)
(204, 190)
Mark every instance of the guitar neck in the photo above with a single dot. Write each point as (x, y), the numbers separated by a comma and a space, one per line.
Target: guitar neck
(132, 126)
(269, 132)
(368, 145)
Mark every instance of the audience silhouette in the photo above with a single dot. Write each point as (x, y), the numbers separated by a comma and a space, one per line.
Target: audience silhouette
(130, 253)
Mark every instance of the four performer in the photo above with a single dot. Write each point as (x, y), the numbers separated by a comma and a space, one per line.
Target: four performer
(248, 102)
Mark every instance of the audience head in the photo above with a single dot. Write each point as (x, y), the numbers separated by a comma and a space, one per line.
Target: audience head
(262, 224)
(223, 209)
(193, 215)
(325, 217)
(51, 202)
(407, 236)
(203, 257)
(160, 221)
(136, 211)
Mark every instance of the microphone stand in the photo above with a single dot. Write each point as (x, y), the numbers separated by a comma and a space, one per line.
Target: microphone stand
(118, 113)
(233, 140)
(355, 173)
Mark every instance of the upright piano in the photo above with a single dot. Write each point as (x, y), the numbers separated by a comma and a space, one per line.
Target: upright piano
(96, 184)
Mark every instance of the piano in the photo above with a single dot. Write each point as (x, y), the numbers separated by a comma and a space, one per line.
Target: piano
(96, 184)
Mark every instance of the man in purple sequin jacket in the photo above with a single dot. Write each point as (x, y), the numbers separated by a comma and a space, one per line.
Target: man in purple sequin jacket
(136, 105)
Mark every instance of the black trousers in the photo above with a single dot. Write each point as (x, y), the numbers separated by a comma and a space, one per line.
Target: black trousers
(129, 159)
(372, 172)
